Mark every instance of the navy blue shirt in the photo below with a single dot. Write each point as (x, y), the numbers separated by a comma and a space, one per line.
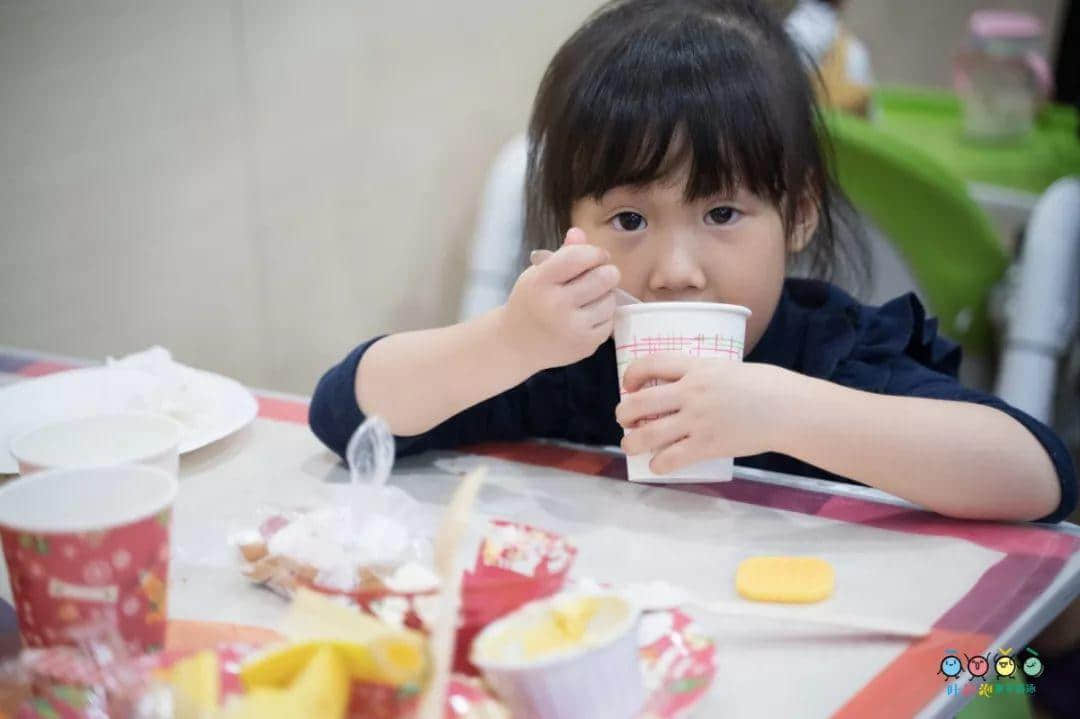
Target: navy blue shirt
(817, 330)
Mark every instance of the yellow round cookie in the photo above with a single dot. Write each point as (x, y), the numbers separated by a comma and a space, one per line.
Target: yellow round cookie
(785, 579)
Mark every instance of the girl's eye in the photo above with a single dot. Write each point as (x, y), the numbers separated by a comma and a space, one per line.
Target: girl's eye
(628, 221)
(723, 215)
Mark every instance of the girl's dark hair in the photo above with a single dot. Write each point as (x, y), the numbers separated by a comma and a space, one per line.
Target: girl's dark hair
(646, 85)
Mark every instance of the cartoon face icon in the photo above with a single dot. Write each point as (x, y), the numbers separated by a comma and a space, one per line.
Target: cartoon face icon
(1033, 667)
(1005, 666)
(951, 667)
(977, 666)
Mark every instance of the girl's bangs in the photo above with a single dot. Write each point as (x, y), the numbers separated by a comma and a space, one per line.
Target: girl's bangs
(648, 88)
(653, 108)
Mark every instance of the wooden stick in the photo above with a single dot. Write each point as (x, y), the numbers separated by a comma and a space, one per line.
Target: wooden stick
(451, 532)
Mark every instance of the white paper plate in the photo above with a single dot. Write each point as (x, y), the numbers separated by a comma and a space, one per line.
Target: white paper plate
(226, 405)
(234, 408)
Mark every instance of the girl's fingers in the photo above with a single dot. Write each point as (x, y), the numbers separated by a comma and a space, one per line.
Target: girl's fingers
(570, 262)
(575, 236)
(668, 367)
(538, 256)
(599, 310)
(654, 435)
(592, 285)
(574, 257)
(676, 456)
(648, 403)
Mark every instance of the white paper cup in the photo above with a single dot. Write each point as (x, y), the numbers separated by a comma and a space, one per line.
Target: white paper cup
(698, 329)
(598, 681)
(102, 440)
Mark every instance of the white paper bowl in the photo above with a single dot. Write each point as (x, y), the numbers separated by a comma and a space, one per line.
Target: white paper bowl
(597, 681)
(143, 438)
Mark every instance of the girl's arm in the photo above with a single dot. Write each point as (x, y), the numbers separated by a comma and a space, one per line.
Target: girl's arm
(415, 380)
(959, 458)
(557, 314)
(956, 458)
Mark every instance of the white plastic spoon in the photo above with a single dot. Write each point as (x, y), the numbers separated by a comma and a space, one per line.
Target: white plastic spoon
(663, 595)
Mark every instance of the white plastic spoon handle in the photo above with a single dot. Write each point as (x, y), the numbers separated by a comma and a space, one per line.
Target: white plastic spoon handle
(871, 625)
(663, 595)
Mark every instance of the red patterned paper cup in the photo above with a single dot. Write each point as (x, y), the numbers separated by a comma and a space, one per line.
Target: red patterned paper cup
(86, 546)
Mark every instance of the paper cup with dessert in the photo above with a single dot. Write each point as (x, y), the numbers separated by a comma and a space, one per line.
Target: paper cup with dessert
(567, 656)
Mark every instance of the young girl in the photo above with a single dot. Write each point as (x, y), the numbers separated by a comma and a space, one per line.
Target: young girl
(674, 154)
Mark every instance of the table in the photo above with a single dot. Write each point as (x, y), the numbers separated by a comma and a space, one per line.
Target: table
(933, 119)
(1007, 178)
(979, 585)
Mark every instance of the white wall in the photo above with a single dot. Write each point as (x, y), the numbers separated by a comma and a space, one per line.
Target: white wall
(256, 185)
(259, 185)
(913, 41)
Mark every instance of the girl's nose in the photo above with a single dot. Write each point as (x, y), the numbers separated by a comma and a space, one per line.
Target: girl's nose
(676, 268)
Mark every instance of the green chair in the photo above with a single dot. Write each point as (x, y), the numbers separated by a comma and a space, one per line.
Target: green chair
(948, 242)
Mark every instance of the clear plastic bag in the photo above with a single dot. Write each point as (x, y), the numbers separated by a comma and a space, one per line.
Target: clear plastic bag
(372, 539)
(95, 676)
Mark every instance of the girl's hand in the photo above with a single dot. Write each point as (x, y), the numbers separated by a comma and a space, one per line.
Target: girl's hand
(561, 310)
(708, 408)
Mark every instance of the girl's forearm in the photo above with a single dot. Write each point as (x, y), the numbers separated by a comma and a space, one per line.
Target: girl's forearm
(956, 458)
(415, 380)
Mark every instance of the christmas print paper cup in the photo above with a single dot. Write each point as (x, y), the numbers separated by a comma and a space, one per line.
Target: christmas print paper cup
(89, 546)
(698, 329)
(101, 440)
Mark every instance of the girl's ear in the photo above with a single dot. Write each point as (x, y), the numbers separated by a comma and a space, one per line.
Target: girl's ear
(804, 228)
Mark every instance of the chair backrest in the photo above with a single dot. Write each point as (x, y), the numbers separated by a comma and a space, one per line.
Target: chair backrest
(948, 242)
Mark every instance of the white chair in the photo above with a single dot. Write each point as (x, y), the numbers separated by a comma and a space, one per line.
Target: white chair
(500, 230)
(1042, 313)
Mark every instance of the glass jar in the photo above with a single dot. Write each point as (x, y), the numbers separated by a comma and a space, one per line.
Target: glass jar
(1001, 77)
